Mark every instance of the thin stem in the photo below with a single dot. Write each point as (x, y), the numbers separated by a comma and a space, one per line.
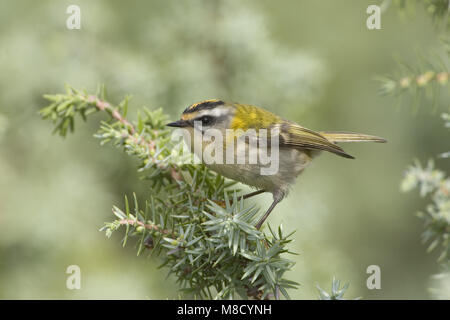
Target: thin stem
(151, 227)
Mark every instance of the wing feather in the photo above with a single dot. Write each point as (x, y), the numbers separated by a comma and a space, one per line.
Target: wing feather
(294, 135)
(290, 133)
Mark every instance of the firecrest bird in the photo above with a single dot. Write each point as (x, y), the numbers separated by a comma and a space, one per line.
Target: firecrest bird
(297, 145)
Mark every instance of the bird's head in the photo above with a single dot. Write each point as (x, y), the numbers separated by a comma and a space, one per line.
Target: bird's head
(214, 113)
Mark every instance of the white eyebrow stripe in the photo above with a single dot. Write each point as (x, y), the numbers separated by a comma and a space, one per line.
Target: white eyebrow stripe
(216, 112)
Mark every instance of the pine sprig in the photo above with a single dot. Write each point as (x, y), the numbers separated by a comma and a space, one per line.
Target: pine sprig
(414, 82)
(432, 182)
(194, 219)
(337, 292)
(426, 83)
(428, 78)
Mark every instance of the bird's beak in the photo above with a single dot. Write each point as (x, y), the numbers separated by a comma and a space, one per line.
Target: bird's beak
(178, 124)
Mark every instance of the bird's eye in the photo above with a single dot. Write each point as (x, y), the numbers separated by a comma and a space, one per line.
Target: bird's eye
(206, 120)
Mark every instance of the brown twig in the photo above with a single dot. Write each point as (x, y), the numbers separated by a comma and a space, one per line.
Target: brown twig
(115, 114)
(151, 227)
(106, 106)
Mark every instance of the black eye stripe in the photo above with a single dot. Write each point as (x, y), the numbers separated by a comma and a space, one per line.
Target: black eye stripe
(206, 120)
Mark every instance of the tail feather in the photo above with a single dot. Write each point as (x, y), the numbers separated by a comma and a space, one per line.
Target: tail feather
(336, 136)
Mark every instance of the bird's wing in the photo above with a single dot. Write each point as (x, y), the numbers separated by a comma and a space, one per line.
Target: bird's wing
(294, 135)
(290, 133)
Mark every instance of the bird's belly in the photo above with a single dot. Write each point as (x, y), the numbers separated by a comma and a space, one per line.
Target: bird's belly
(247, 174)
(285, 168)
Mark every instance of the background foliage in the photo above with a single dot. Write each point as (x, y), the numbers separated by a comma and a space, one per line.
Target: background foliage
(55, 195)
(424, 81)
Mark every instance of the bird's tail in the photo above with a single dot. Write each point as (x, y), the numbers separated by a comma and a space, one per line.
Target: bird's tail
(336, 136)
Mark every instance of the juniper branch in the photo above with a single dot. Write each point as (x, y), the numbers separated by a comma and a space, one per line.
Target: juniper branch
(337, 293)
(193, 219)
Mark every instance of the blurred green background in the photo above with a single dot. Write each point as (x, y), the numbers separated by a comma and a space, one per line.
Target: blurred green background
(310, 61)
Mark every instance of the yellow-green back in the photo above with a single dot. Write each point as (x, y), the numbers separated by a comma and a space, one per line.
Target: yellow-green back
(248, 116)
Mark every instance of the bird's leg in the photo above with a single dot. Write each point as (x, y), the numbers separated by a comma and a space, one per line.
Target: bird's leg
(261, 221)
(254, 193)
